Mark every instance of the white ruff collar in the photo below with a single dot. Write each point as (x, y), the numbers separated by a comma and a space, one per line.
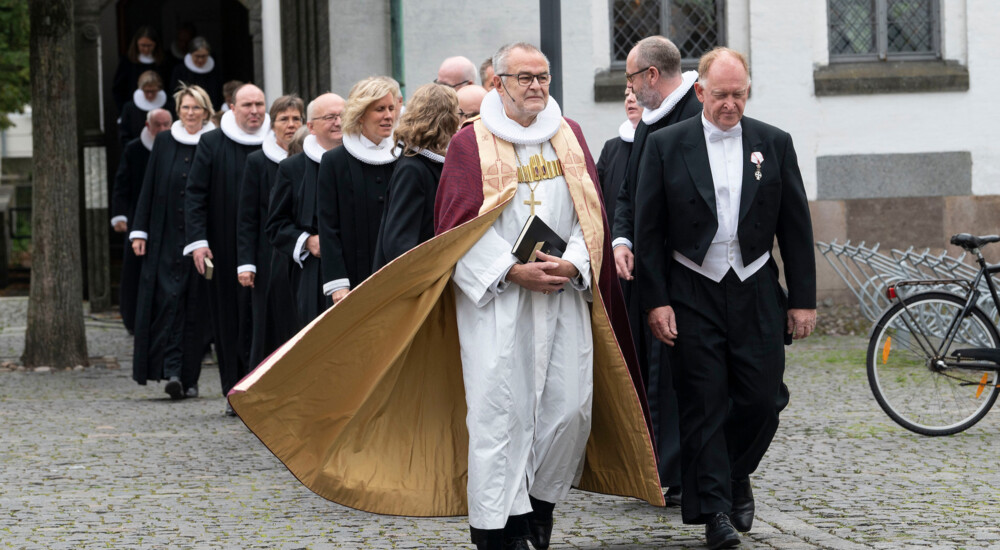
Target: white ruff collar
(178, 132)
(312, 148)
(626, 131)
(140, 101)
(272, 150)
(235, 133)
(209, 65)
(495, 118)
(146, 59)
(669, 102)
(146, 138)
(431, 155)
(369, 153)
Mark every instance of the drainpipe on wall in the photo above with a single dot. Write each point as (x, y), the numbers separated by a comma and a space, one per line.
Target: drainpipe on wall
(550, 21)
(396, 34)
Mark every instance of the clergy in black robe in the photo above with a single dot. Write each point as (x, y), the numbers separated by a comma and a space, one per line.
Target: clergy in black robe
(211, 206)
(124, 197)
(668, 97)
(255, 255)
(293, 225)
(353, 182)
(199, 67)
(423, 134)
(147, 97)
(170, 310)
(614, 158)
(144, 54)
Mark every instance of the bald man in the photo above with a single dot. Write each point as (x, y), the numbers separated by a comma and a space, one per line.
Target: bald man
(469, 99)
(457, 72)
(211, 200)
(292, 226)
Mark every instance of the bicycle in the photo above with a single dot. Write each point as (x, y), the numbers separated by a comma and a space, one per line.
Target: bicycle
(932, 359)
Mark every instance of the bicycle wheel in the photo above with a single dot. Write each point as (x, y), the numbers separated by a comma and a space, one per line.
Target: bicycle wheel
(909, 381)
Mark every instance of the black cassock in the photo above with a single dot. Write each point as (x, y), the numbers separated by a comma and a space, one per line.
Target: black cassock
(132, 119)
(654, 357)
(211, 82)
(124, 197)
(211, 209)
(127, 78)
(293, 213)
(611, 171)
(408, 219)
(272, 323)
(351, 199)
(171, 316)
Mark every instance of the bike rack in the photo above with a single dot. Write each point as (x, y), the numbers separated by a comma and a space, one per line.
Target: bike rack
(868, 273)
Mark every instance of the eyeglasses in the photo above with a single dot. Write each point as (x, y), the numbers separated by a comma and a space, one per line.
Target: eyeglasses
(524, 79)
(463, 114)
(328, 118)
(628, 76)
(456, 86)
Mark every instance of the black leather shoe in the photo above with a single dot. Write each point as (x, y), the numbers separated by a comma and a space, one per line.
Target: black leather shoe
(673, 496)
(174, 388)
(191, 392)
(516, 544)
(229, 410)
(539, 532)
(743, 506)
(720, 533)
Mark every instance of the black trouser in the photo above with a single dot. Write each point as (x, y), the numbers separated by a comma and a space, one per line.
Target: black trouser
(729, 359)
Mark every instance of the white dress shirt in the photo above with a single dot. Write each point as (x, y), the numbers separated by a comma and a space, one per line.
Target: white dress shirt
(725, 157)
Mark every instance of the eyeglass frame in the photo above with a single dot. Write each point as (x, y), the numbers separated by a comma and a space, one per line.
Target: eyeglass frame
(327, 118)
(630, 76)
(534, 77)
(454, 86)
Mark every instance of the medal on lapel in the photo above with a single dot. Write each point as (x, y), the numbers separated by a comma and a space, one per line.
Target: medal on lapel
(757, 158)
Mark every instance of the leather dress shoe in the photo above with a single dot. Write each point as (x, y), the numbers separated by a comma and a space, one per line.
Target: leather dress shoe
(673, 496)
(229, 410)
(539, 532)
(516, 544)
(743, 505)
(720, 533)
(191, 392)
(174, 388)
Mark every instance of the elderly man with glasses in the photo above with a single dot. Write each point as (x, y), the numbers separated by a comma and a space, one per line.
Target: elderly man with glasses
(457, 72)
(536, 339)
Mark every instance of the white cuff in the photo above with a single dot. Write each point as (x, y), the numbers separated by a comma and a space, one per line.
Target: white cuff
(335, 285)
(138, 235)
(299, 253)
(117, 219)
(621, 241)
(502, 283)
(194, 246)
(245, 268)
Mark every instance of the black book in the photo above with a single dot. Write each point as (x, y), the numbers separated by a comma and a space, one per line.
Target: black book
(536, 236)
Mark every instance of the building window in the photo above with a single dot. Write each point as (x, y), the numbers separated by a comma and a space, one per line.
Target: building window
(695, 26)
(873, 30)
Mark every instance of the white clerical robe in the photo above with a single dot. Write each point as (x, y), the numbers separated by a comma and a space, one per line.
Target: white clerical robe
(527, 360)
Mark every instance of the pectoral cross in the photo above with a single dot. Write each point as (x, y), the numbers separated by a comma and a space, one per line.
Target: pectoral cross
(532, 202)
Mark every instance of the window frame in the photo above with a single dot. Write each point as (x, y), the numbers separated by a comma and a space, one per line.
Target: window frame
(686, 63)
(882, 38)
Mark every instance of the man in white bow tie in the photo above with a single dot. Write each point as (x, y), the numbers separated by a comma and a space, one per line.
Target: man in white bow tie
(714, 192)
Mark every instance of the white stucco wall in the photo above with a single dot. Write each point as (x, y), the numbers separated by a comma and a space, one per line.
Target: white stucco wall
(16, 140)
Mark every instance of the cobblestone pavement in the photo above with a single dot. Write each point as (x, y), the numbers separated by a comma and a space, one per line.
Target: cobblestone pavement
(89, 459)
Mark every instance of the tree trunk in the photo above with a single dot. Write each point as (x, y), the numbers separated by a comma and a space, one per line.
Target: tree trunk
(55, 335)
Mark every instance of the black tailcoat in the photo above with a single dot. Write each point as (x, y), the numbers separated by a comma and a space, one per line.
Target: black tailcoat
(729, 355)
(351, 198)
(292, 213)
(408, 219)
(124, 197)
(171, 316)
(211, 210)
(254, 248)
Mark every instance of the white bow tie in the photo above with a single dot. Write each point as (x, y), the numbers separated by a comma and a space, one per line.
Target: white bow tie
(718, 135)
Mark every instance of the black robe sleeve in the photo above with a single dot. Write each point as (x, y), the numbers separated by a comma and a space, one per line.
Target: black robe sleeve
(281, 228)
(199, 183)
(145, 202)
(331, 168)
(248, 214)
(121, 194)
(602, 163)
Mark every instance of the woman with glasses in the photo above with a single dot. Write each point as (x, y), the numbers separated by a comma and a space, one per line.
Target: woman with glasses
(148, 96)
(171, 313)
(259, 268)
(353, 182)
(423, 135)
(200, 68)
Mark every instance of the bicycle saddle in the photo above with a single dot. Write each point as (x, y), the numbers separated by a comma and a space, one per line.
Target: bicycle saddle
(969, 242)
